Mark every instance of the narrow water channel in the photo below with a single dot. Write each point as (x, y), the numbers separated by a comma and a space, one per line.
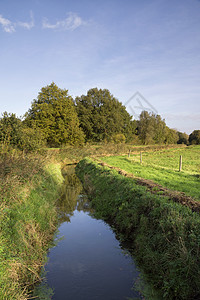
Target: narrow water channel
(87, 262)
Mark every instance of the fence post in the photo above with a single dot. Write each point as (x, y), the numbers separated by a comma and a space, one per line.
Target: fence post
(129, 153)
(180, 163)
(141, 157)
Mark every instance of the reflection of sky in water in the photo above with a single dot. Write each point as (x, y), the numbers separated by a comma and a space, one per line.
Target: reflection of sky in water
(88, 263)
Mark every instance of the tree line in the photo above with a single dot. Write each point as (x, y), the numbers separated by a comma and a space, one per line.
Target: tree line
(56, 119)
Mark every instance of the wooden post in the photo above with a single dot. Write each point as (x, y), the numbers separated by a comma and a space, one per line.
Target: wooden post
(129, 153)
(180, 163)
(141, 157)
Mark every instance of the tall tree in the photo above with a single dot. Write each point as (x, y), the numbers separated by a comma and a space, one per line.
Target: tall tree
(194, 137)
(159, 130)
(171, 136)
(152, 129)
(183, 138)
(102, 116)
(10, 126)
(146, 129)
(14, 133)
(54, 113)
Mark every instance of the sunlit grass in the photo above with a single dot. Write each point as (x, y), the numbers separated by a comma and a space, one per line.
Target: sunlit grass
(28, 218)
(163, 168)
(163, 234)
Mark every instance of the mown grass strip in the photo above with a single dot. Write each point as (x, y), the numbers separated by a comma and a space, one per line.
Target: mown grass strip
(165, 236)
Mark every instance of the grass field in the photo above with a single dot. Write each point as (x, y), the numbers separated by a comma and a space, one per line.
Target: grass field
(163, 168)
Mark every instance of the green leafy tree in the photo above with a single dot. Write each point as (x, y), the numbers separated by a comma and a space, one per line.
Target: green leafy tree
(130, 132)
(159, 130)
(31, 139)
(171, 136)
(183, 138)
(146, 128)
(54, 113)
(13, 133)
(102, 116)
(152, 129)
(194, 137)
(10, 129)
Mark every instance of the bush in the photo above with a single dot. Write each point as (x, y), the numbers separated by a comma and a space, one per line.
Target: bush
(31, 139)
(119, 138)
(14, 134)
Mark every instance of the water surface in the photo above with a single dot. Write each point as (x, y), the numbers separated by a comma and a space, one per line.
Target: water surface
(88, 262)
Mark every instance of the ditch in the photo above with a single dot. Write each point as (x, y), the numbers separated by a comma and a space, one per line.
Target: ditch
(87, 262)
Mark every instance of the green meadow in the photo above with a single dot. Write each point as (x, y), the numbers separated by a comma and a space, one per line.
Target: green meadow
(162, 167)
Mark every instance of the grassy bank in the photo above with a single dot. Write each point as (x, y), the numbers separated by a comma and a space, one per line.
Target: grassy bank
(164, 235)
(30, 186)
(163, 168)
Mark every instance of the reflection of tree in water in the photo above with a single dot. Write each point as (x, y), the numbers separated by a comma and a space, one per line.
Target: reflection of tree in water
(83, 204)
(71, 198)
(71, 189)
(42, 291)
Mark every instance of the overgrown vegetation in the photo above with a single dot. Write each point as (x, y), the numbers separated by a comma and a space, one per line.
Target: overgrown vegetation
(29, 186)
(163, 167)
(164, 235)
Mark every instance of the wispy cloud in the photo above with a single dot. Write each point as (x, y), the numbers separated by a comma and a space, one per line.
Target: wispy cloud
(71, 22)
(10, 27)
(7, 25)
(27, 25)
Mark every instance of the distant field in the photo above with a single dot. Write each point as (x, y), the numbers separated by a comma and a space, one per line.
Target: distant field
(163, 167)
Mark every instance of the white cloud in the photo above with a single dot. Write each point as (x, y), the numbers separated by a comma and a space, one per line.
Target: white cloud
(10, 27)
(72, 22)
(27, 25)
(7, 25)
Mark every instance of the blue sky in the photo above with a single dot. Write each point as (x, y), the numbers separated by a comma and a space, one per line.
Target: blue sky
(150, 46)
